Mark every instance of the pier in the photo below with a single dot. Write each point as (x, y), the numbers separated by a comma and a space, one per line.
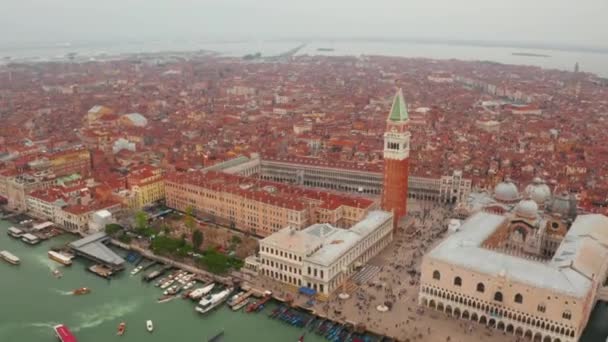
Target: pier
(201, 274)
(92, 247)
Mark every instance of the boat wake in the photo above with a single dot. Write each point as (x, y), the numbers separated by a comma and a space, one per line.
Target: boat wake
(42, 325)
(107, 312)
(63, 293)
(47, 262)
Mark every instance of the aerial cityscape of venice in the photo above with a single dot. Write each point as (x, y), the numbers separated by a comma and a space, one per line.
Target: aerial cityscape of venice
(308, 193)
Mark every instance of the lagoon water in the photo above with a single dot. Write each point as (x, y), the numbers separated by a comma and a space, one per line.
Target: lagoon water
(589, 61)
(32, 301)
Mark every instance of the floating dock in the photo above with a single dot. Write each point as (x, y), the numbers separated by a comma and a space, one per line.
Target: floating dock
(92, 247)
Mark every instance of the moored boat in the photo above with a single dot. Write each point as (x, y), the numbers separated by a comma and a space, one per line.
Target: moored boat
(10, 257)
(240, 305)
(30, 239)
(64, 334)
(236, 298)
(15, 232)
(121, 328)
(60, 258)
(200, 292)
(213, 300)
(137, 270)
(165, 298)
(149, 325)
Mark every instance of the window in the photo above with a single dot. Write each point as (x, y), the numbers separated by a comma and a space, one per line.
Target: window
(541, 307)
(458, 281)
(519, 298)
(481, 288)
(567, 314)
(436, 275)
(498, 296)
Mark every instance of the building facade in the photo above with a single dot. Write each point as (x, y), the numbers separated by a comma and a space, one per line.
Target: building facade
(322, 257)
(493, 272)
(147, 186)
(396, 159)
(261, 207)
(353, 178)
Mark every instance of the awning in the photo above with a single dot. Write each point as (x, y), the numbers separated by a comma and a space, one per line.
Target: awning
(307, 291)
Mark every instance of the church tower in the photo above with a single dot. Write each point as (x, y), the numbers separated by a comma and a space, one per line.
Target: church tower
(396, 158)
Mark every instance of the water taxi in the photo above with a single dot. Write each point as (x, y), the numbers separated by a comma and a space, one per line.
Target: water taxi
(149, 326)
(60, 258)
(121, 328)
(15, 232)
(81, 291)
(30, 239)
(10, 257)
(64, 334)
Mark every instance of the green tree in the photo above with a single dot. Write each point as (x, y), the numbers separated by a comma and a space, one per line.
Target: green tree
(197, 239)
(189, 219)
(141, 220)
(112, 228)
(235, 240)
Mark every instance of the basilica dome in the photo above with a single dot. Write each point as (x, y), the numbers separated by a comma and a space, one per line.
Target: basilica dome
(538, 191)
(527, 209)
(506, 191)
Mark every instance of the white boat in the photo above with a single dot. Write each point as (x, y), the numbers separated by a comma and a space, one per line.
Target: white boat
(15, 232)
(235, 299)
(167, 284)
(212, 301)
(189, 285)
(172, 290)
(10, 257)
(149, 325)
(240, 305)
(198, 293)
(60, 258)
(30, 239)
(137, 270)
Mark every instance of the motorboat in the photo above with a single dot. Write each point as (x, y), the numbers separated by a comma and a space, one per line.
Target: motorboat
(213, 300)
(121, 328)
(203, 291)
(81, 291)
(149, 326)
(64, 334)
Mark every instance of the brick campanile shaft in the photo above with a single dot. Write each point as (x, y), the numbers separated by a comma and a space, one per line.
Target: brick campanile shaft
(396, 158)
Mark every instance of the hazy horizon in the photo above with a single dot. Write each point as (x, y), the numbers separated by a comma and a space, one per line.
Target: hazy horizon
(546, 22)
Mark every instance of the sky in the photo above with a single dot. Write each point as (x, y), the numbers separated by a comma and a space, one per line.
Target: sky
(579, 23)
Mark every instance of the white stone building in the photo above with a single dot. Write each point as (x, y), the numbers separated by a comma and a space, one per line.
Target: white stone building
(547, 298)
(321, 256)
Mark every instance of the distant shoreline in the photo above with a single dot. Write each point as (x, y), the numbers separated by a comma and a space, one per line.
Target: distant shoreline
(529, 54)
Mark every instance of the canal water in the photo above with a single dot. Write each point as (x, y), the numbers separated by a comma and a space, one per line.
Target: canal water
(32, 301)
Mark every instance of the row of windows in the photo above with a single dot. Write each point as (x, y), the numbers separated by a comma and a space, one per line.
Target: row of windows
(498, 296)
(280, 253)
